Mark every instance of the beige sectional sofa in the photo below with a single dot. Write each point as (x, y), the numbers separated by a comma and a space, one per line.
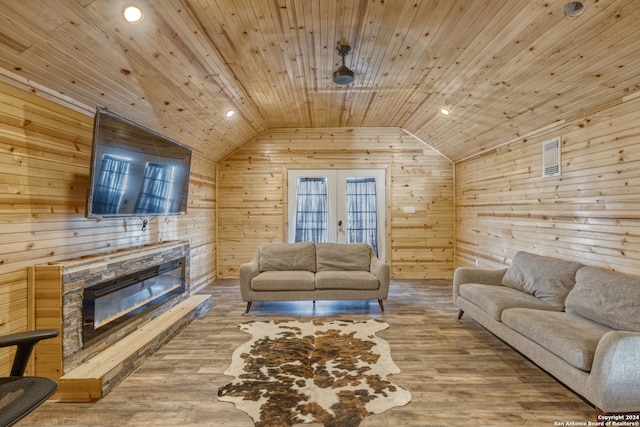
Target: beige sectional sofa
(308, 272)
(579, 323)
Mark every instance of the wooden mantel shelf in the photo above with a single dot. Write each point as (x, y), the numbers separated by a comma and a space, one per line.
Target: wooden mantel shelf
(97, 376)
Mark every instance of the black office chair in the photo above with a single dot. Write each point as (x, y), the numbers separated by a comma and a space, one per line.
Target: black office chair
(20, 395)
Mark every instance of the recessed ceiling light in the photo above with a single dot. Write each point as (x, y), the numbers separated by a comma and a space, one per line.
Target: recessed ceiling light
(229, 113)
(133, 14)
(444, 112)
(573, 8)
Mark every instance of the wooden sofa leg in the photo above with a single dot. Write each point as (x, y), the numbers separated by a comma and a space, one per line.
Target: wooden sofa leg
(381, 305)
(248, 307)
(460, 313)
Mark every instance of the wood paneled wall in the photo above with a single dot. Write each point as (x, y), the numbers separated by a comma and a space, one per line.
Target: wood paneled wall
(252, 193)
(45, 151)
(591, 213)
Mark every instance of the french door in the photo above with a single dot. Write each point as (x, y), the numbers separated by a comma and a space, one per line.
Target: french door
(337, 205)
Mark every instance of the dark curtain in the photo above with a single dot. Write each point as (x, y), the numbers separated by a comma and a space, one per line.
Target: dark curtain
(362, 212)
(311, 210)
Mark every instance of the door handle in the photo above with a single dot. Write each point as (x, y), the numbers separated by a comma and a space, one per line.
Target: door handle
(340, 230)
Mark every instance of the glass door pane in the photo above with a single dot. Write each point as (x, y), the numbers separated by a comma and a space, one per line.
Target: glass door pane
(361, 211)
(311, 210)
(311, 205)
(361, 204)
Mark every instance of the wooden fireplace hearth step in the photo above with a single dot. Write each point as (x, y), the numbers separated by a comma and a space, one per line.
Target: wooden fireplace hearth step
(96, 377)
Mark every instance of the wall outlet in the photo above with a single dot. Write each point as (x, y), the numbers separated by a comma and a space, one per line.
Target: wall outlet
(409, 209)
(477, 261)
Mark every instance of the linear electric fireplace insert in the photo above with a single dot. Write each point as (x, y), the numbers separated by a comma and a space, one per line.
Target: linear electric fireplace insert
(111, 304)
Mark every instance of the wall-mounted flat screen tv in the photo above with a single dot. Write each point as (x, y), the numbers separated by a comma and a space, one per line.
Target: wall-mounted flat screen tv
(135, 171)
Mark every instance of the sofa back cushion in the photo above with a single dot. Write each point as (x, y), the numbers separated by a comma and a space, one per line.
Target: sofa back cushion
(606, 297)
(549, 279)
(287, 256)
(339, 256)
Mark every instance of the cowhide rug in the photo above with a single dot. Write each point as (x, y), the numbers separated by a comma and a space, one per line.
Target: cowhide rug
(332, 373)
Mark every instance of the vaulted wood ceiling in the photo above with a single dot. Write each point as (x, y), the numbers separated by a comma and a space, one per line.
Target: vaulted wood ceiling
(504, 68)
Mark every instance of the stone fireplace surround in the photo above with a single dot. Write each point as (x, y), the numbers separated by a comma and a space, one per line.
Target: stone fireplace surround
(59, 289)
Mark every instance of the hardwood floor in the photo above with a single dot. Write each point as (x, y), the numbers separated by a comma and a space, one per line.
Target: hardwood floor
(458, 373)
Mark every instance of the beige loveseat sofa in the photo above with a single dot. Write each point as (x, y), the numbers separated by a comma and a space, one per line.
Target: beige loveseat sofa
(308, 272)
(579, 323)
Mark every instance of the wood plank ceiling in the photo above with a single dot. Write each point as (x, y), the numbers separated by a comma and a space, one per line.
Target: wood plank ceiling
(503, 68)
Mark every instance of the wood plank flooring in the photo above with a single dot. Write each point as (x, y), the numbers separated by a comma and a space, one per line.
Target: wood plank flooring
(458, 373)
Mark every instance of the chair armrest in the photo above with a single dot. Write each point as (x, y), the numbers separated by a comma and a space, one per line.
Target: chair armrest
(615, 374)
(484, 276)
(25, 341)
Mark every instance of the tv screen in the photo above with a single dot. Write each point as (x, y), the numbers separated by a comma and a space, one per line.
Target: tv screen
(135, 171)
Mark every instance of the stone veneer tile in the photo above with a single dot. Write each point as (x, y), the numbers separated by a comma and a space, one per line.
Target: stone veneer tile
(85, 272)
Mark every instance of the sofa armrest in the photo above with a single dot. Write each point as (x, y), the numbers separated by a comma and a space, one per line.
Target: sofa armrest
(248, 271)
(382, 272)
(484, 276)
(612, 385)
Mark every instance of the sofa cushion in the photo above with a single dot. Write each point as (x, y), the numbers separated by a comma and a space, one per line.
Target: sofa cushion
(570, 337)
(346, 280)
(546, 278)
(287, 256)
(284, 281)
(494, 299)
(606, 297)
(338, 256)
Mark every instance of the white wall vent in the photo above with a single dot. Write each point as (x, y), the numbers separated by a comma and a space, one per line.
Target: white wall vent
(551, 157)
